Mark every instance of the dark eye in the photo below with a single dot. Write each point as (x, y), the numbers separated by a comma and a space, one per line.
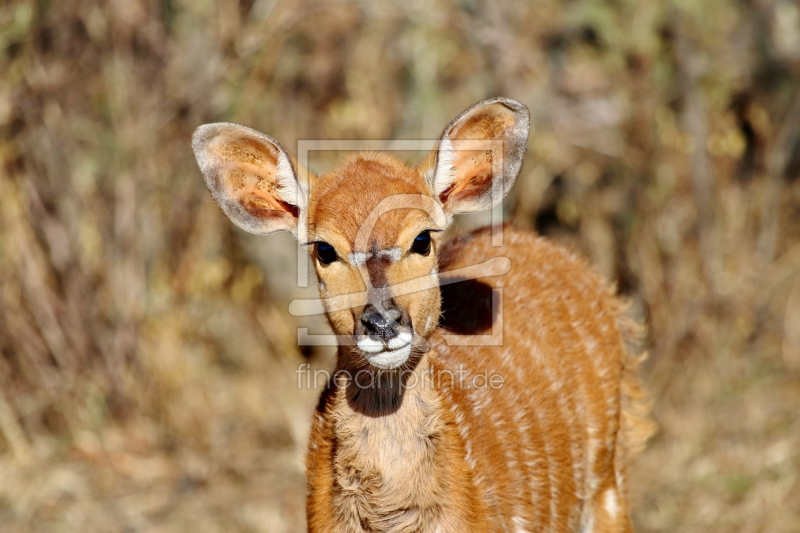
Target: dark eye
(325, 253)
(422, 244)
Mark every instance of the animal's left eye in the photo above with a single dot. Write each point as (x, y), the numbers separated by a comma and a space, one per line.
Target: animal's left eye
(326, 254)
(422, 243)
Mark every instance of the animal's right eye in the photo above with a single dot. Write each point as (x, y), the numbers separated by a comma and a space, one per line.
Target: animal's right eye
(422, 244)
(326, 254)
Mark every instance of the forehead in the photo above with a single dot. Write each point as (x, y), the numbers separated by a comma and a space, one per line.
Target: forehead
(373, 197)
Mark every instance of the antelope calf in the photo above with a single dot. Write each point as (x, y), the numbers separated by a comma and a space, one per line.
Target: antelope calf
(478, 387)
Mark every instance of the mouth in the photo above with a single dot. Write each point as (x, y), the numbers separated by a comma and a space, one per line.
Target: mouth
(388, 354)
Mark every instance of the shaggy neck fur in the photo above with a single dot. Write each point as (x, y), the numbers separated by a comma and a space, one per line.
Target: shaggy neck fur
(387, 431)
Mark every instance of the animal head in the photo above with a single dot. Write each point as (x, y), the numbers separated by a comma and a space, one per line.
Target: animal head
(373, 225)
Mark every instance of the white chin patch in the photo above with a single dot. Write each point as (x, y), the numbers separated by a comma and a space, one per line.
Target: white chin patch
(367, 345)
(389, 359)
(390, 355)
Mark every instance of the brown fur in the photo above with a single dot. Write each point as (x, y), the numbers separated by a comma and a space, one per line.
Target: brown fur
(533, 433)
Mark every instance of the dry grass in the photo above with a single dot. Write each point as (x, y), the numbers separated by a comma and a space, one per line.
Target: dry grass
(147, 374)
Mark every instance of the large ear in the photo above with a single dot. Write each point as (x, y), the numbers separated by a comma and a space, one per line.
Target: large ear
(251, 176)
(479, 156)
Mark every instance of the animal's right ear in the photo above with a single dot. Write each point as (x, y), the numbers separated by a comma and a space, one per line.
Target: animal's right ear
(251, 176)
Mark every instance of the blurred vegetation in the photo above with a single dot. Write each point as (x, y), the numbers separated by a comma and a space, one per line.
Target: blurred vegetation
(147, 378)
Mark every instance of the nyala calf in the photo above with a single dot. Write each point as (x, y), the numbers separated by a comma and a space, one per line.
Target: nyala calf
(424, 426)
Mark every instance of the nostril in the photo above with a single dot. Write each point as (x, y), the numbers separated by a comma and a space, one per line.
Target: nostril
(378, 325)
(373, 321)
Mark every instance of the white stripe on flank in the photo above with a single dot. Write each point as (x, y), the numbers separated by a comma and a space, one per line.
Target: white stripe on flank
(611, 503)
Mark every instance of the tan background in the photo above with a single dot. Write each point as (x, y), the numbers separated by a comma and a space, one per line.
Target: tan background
(148, 363)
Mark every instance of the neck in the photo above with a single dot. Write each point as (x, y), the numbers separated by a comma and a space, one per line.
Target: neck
(379, 393)
(387, 438)
(390, 457)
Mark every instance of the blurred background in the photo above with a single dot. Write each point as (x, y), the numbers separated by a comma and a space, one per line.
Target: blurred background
(148, 372)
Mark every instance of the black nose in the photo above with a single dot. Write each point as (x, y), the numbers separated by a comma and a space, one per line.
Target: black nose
(379, 324)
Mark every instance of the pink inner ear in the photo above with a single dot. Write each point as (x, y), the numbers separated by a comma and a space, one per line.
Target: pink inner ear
(244, 151)
(261, 204)
(494, 122)
(253, 185)
(474, 176)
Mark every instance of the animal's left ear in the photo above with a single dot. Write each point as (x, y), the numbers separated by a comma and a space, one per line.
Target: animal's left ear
(478, 156)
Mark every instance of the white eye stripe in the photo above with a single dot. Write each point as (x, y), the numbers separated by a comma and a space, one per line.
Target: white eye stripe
(359, 258)
(393, 254)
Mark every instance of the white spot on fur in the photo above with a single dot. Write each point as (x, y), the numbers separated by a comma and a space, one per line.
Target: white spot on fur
(611, 503)
(519, 525)
(588, 522)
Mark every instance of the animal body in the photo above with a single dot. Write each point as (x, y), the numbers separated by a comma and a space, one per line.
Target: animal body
(478, 387)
